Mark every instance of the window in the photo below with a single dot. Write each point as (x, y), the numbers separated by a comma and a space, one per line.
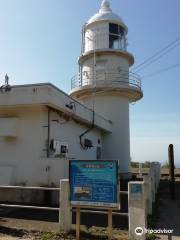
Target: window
(117, 39)
(114, 28)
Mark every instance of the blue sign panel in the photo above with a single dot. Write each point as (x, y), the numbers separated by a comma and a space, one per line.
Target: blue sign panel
(136, 191)
(94, 183)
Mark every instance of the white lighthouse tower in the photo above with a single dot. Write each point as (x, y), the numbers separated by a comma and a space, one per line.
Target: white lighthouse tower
(104, 82)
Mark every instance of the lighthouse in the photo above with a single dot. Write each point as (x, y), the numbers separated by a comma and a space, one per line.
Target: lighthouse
(104, 82)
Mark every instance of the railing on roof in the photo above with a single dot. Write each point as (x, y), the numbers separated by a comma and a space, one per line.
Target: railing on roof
(106, 79)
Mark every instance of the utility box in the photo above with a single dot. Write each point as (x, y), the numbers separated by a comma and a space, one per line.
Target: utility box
(59, 148)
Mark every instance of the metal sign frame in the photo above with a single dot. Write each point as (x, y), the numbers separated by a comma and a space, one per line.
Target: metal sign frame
(87, 191)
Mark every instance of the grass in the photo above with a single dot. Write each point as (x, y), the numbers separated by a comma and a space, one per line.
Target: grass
(92, 233)
(48, 236)
(151, 237)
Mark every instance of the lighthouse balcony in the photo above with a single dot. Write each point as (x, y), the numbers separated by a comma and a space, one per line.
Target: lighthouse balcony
(126, 83)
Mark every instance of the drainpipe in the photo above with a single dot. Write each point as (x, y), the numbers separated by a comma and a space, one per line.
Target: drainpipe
(85, 132)
(49, 130)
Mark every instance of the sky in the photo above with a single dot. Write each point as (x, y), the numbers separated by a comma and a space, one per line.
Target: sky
(40, 41)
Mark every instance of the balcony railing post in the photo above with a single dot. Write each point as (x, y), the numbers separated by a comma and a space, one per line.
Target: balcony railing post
(80, 79)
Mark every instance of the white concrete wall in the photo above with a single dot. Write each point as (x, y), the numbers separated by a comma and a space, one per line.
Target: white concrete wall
(117, 144)
(26, 154)
(97, 36)
(109, 70)
(20, 153)
(68, 132)
(137, 210)
(48, 94)
(8, 127)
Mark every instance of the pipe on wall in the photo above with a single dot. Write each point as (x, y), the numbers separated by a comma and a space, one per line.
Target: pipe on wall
(49, 132)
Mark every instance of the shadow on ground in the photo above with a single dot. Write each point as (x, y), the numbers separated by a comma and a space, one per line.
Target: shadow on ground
(12, 231)
(169, 210)
(28, 214)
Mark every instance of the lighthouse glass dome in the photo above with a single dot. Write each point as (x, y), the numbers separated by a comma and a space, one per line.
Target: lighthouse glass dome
(106, 35)
(104, 30)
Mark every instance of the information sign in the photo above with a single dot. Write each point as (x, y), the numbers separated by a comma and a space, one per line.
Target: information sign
(94, 183)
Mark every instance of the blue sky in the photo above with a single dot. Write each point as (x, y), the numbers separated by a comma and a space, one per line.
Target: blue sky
(40, 42)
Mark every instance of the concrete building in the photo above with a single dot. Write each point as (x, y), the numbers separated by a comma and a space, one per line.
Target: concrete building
(41, 127)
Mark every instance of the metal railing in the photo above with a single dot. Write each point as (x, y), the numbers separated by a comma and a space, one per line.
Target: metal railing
(49, 208)
(106, 79)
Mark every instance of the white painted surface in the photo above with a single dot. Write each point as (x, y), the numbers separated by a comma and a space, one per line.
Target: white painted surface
(65, 213)
(105, 14)
(109, 70)
(8, 127)
(115, 145)
(48, 94)
(5, 175)
(106, 83)
(97, 36)
(26, 154)
(137, 210)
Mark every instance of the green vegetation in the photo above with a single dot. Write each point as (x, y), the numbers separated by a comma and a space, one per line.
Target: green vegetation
(151, 237)
(48, 236)
(86, 234)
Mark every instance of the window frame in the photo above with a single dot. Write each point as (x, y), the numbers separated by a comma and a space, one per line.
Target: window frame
(120, 37)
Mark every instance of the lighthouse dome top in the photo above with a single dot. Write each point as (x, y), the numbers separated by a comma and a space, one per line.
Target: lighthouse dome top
(105, 14)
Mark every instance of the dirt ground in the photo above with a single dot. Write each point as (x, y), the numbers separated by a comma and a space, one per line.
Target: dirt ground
(26, 224)
(13, 238)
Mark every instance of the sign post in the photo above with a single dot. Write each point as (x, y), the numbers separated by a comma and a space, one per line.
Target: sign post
(78, 223)
(110, 224)
(94, 184)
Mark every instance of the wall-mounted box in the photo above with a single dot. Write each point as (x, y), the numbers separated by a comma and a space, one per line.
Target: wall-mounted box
(8, 127)
(59, 148)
